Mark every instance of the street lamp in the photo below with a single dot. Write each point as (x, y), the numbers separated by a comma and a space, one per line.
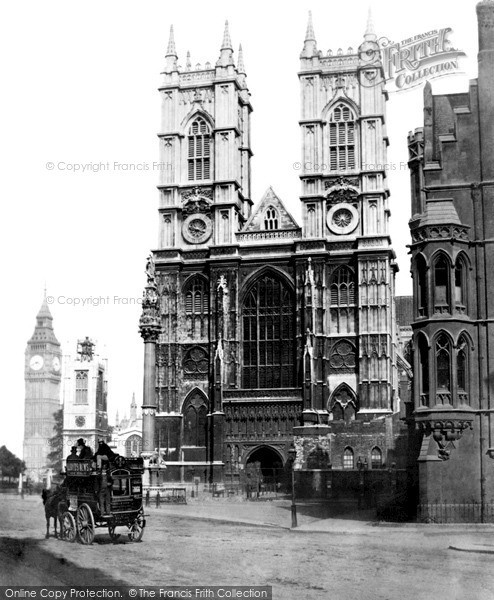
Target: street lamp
(292, 454)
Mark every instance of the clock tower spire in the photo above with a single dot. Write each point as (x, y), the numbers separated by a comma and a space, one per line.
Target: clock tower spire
(42, 379)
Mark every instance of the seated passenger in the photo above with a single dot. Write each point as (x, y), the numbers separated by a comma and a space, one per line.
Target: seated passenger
(73, 454)
(84, 451)
(104, 452)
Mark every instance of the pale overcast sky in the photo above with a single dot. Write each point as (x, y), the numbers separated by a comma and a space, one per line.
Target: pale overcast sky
(79, 83)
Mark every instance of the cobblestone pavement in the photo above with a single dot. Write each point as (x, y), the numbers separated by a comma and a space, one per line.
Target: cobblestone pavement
(225, 543)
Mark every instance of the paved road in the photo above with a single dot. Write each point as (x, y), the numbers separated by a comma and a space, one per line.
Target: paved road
(368, 563)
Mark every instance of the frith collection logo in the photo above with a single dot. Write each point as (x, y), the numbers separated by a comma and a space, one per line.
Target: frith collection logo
(415, 60)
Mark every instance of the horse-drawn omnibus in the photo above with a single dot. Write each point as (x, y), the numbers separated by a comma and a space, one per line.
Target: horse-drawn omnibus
(79, 504)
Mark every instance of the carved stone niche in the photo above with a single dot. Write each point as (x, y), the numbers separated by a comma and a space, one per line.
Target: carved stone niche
(342, 190)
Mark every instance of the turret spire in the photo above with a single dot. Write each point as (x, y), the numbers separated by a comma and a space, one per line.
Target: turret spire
(227, 42)
(171, 51)
(370, 33)
(226, 54)
(310, 35)
(171, 54)
(241, 66)
(310, 44)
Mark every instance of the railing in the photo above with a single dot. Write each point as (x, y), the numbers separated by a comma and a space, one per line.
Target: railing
(170, 495)
(467, 512)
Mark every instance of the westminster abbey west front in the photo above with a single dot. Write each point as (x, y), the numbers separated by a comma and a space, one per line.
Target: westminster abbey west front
(262, 335)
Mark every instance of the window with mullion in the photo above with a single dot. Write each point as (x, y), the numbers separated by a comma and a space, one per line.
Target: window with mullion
(199, 150)
(341, 139)
(268, 336)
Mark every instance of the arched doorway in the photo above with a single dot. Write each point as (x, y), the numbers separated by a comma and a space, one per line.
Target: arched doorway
(268, 462)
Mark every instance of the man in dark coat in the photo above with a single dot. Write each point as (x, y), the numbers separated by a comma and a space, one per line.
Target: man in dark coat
(84, 451)
(103, 453)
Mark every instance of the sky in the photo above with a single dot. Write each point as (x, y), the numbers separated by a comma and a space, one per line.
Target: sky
(79, 86)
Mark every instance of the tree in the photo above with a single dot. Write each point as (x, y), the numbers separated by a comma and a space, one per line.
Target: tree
(55, 456)
(10, 465)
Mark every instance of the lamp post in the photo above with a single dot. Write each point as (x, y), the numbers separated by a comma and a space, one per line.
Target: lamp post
(292, 454)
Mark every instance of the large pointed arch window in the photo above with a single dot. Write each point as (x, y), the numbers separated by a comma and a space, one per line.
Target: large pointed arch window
(199, 150)
(268, 335)
(423, 359)
(442, 270)
(422, 291)
(195, 421)
(460, 284)
(462, 369)
(443, 363)
(341, 138)
(348, 458)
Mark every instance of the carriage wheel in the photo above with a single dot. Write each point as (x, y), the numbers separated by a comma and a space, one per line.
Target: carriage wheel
(85, 524)
(68, 529)
(113, 536)
(136, 528)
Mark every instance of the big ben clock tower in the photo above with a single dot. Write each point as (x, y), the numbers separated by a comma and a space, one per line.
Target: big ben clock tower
(42, 374)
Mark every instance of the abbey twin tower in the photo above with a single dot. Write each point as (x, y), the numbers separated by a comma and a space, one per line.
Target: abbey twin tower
(263, 335)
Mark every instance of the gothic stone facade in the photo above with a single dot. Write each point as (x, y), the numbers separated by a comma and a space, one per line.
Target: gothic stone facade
(452, 226)
(260, 334)
(42, 375)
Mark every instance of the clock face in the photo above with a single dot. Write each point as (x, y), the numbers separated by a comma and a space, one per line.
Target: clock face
(56, 364)
(197, 229)
(342, 219)
(80, 421)
(36, 362)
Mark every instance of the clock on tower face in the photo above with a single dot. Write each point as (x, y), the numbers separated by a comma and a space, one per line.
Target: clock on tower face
(56, 364)
(36, 362)
(197, 228)
(80, 421)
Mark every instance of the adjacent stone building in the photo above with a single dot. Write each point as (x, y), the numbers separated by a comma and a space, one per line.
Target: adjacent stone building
(452, 227)
(126, 437)
(84, 397)
(261, 334)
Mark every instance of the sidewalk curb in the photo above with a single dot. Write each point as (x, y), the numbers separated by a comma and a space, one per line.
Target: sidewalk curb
(223, 521)
(472, 550)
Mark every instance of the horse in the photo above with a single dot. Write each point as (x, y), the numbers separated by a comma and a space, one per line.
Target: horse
(51, 501)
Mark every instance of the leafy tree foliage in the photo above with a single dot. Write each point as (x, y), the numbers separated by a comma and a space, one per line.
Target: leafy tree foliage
(55, 456)
(10, 465)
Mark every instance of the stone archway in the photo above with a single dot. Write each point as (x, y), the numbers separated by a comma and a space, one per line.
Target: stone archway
(269, 462)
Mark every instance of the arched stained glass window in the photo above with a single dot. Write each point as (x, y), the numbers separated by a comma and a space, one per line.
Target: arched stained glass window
(421, 274)
(348, 459)
(376, 458)
(441, 284)
(133, 446)
(268, 335)
(443, 363)
(423, 354)
(195, 421)
(460, 284)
